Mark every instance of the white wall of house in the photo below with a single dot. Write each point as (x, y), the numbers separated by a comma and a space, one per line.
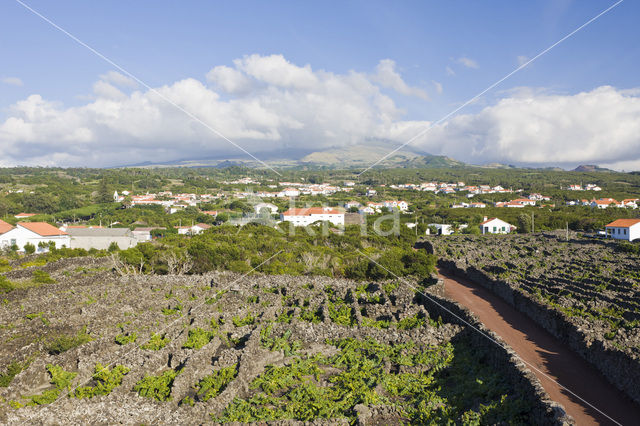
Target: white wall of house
(624, 233)
(495, 226)
(305, 220)
(21, 236)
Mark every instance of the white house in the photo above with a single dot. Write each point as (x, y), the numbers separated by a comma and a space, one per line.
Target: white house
(271, 207)
(350, 204)
(4, 228)
(101, 238)
(495, 226)
(34, 233)
(441, 228)
(309, 215)
(623, 229)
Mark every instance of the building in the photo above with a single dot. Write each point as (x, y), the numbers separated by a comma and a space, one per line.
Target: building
(495, 226)
(101, 238)
(441, 228)
(39, 234)
(24, 215)
(272, 208)
(623, 229)
(309, 215)
(4, 227)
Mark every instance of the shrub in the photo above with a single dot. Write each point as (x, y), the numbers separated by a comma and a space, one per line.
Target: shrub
(42, 277)
(211, 386)
(156, 342)
(29, 248)
(106, 380)
(157, 387)
(125, 338)
(5, 285)
(63, 343)
(198, 338)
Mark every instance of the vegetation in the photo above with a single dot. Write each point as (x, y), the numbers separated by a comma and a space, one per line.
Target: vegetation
(157, 387)
(105, 381)
(211, 386)
(64, 342)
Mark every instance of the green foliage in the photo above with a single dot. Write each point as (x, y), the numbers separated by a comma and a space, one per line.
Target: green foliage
(58, 344)
(126, 338)
(212, 385)
(156, 342)
(157, 387)
(60, 378)
(341, 313)
(5, 285)
(242, 321)
(279, 343)
(106, 380)
(29, 248)
(197, 338)
(42, 277)
(12, 371)
(409, 323)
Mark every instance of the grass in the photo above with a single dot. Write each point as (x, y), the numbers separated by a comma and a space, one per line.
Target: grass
(63, 343)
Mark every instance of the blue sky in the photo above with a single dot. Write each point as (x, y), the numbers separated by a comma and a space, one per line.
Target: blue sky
(446, 51)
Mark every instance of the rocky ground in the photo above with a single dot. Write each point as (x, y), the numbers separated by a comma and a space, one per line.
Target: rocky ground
(95, 347)
(592, 282)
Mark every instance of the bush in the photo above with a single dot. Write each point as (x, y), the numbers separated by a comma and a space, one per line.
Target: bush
(5, 285)
(157, 387)
(29, 248)
(42, 277)
(63, 343)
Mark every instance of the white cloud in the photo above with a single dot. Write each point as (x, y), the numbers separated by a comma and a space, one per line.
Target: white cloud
(229, 79)
(467, 62)
(387, 76)
(271, 104)
(12, 81)
(532, 127)
(287, 107)
(115, 78)
(450, 71)
(522, 60)
(438, 86)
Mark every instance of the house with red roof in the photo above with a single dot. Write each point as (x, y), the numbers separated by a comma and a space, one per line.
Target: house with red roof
(40, 234)
(623, 229)
(4, 227)
(24, 215)
(307, 216)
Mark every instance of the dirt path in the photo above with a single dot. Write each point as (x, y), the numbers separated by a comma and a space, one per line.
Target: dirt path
(536, 346)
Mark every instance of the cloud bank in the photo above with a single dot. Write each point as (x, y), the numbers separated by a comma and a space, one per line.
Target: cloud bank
(267, 103)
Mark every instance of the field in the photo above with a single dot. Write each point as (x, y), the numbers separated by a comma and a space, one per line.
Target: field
(594, 283)
(91, 346)
(586, 292)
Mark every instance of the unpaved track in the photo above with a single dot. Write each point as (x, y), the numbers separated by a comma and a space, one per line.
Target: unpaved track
(536, 346)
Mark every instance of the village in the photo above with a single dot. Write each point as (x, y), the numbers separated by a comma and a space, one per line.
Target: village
(31, 236)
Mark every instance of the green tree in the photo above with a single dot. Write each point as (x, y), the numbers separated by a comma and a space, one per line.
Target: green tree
(104, 194)
(29, 248)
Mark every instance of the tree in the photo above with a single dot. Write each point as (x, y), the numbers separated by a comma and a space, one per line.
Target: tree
(524, 223)
(29, 248)
(104, 195)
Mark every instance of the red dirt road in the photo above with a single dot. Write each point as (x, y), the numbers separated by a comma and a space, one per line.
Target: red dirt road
(539, 348)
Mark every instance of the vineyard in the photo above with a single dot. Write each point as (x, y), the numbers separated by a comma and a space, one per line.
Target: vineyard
(591, 286)
(89, 346)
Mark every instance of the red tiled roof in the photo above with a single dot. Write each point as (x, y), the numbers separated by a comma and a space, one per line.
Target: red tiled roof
(5, 227)
(623, 223)
(25, 214)
(309, 211)
(42, 228)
